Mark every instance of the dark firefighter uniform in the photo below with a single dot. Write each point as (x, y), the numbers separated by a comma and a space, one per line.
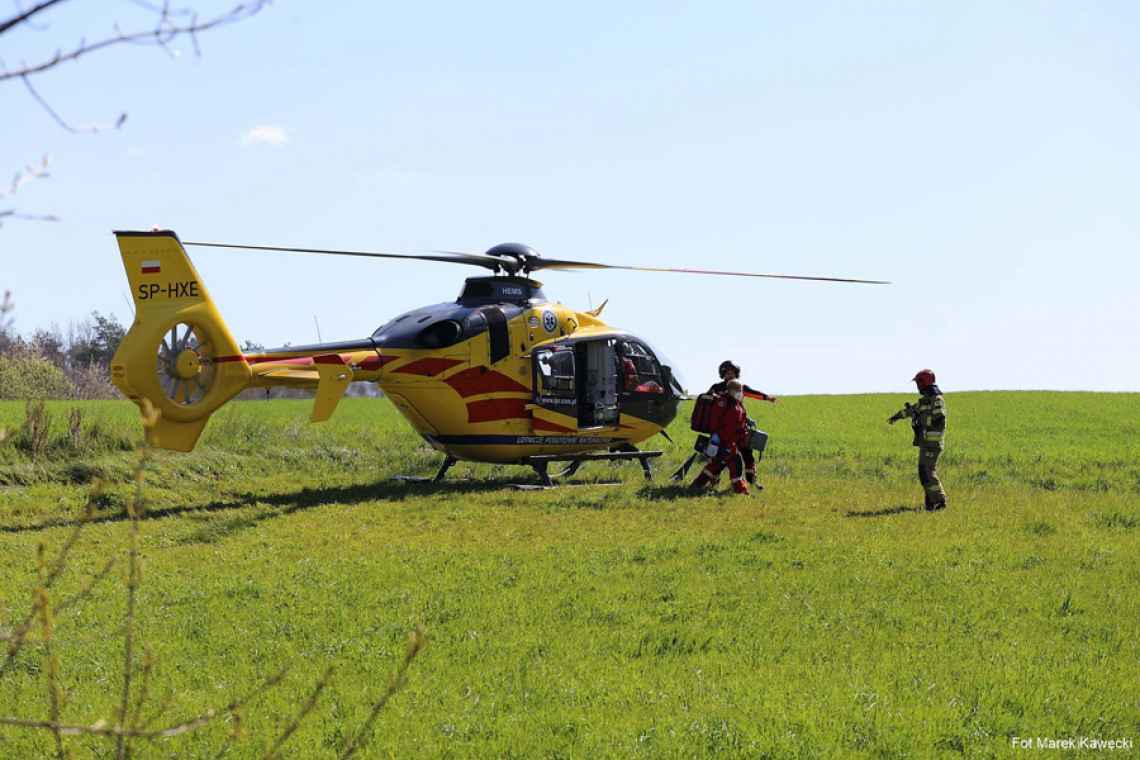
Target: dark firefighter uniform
(929, 436)
(746, 453)
(730, 430)
(928, 419)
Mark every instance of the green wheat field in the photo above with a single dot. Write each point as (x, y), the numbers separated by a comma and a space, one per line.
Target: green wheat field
(826, 617)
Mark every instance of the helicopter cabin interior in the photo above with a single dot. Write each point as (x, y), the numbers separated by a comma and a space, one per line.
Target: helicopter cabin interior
(592, 380)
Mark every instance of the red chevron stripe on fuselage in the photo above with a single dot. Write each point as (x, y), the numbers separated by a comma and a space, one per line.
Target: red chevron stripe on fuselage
(496, 409)
(430, 366)
(540, 424)
(479, 380)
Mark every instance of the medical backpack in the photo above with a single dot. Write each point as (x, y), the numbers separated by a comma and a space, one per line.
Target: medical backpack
(704, 409)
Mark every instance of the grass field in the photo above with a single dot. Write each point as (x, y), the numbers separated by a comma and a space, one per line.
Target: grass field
(826, 617)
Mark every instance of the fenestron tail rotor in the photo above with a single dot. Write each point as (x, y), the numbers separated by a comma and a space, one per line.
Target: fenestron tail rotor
(515, 258)
(185, 364)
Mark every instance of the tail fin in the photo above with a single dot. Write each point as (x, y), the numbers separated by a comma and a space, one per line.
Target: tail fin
(178, 355)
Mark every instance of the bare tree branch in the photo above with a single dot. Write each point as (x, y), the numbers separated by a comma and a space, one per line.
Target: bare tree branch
(310, 703)
(102, 728)
(20, 634)
(87, 589)
(134, 572)
(416, 641)
(90, 129)
(22, 17)
(167, 24)
(26, 175)
(167, 28)
(144, 689)
(47, 629)
(12, 214)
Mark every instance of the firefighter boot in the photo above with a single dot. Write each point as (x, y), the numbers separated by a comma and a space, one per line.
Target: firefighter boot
(708, 478)
(739, 486)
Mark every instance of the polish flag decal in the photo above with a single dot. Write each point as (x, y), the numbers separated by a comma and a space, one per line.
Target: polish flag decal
(151, 267)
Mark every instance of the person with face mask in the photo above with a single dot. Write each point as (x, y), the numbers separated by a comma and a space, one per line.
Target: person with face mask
(729, 370)
(730, 432)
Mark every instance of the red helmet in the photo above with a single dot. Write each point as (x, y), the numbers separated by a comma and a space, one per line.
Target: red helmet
(924, 378)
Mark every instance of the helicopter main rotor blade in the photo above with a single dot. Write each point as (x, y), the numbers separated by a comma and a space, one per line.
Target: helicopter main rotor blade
(449, 257)
(544, 263)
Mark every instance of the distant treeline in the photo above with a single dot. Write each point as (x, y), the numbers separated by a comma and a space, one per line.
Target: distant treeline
(58, 364)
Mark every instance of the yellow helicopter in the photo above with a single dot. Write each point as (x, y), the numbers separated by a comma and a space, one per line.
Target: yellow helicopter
(502, 374)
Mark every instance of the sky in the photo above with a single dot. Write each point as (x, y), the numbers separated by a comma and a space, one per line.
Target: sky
(983, 157)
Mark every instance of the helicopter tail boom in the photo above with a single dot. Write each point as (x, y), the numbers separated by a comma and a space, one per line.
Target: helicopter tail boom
(178, 358)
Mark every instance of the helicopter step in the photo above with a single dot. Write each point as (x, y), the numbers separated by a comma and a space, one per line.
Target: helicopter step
(541, 462)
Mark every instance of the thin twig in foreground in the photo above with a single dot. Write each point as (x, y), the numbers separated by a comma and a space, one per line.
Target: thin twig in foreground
(44, 605)
(134, 508)
(20, 633)
(103, 728)
(415, 644)
(310, 703)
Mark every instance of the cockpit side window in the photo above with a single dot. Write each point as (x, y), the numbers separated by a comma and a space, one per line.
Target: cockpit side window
(640, 371)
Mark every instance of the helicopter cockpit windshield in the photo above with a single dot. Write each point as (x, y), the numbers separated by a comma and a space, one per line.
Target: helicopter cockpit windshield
(671, 372)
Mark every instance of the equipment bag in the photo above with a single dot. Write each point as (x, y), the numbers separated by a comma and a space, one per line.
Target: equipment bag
(757, 441)
(703, 408)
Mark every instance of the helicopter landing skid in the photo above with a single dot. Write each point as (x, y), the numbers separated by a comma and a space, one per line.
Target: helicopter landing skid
(444, 466)
(541, 462)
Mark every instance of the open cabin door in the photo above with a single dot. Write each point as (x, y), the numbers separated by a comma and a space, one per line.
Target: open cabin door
(576, 387)
(597, 384)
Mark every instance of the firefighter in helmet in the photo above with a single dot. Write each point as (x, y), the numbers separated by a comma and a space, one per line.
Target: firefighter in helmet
(928, 419)
(729, 432)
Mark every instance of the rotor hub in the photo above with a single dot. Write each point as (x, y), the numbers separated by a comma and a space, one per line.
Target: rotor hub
(188, 364)
(522, 255)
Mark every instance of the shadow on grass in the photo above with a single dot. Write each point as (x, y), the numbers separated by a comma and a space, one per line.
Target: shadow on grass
(885, 512)
(672, 491)
(288, 502)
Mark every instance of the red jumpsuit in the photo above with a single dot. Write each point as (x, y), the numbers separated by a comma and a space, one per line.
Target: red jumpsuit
(746, 452)
(730, 424)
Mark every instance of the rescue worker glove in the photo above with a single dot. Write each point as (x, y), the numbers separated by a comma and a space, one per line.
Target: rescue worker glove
(713, 447)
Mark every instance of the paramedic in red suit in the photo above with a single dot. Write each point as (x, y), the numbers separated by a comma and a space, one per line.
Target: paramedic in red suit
(729, 370)
(730, 430)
